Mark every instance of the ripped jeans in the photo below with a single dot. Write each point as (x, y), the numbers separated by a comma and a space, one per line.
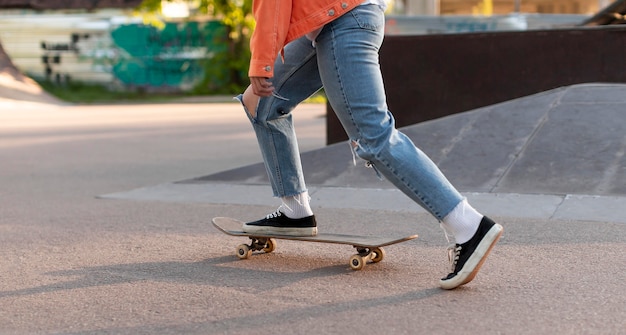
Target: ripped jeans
(344, 61)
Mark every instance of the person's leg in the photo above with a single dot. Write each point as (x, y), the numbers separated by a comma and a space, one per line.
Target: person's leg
(294, 80)
(348, 62)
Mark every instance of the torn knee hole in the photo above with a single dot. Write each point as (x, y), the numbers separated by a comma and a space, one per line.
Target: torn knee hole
(251, 108)
(251, 111)
(250, 102)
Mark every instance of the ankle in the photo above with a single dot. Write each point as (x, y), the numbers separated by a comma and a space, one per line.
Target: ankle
(462, 222)
(297, 206)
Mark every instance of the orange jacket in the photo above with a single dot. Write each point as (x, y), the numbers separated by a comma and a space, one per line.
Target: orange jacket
(279, 22)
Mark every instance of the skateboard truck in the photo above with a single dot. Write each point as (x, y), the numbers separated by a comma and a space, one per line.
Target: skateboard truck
(268, 244)
(357, 261)
(256, 244)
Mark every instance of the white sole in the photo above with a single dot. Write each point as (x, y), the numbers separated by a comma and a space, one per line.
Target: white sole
(307, 231)
(476, 260)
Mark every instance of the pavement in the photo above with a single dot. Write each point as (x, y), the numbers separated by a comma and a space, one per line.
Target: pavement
(105, 211)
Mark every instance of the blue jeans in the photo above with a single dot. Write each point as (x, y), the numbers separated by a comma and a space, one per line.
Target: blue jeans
(344, 61)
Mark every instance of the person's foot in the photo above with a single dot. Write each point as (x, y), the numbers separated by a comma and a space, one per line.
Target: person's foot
(279, 224)
(467, 258)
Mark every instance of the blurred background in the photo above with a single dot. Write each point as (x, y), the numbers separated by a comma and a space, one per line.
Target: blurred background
(90, 50)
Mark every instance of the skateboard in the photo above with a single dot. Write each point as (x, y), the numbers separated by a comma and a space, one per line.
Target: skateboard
(368, 248)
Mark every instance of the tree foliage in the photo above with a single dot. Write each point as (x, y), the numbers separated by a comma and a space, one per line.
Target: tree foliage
(226, 71)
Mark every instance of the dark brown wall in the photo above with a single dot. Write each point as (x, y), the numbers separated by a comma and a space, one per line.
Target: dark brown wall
(431, 76)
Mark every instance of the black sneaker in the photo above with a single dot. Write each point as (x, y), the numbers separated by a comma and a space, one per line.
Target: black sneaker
(278, 223)
(467, 258)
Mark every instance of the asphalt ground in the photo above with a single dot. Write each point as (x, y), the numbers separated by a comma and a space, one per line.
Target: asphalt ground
(105, 223)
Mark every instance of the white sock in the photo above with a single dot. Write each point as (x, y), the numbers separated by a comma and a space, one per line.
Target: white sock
(462, 222)
(297, 206)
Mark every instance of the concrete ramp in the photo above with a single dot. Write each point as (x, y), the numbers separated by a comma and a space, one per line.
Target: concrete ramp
(569, 140)
(555, 155)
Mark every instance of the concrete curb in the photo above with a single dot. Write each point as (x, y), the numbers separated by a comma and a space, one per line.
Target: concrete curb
(535, 206)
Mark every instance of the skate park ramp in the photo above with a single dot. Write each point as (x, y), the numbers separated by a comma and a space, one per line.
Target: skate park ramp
(559, 154)
(569, 140)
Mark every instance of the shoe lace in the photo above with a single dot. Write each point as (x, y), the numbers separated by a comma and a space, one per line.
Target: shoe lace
(454, 250)
(274, 215)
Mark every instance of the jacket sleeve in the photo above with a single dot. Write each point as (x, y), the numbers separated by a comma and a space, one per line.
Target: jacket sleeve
(268, 39)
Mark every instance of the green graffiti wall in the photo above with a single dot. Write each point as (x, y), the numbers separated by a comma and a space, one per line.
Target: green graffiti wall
(172, 56)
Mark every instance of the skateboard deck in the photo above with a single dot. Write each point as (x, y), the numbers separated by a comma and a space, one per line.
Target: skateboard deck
(369, 248)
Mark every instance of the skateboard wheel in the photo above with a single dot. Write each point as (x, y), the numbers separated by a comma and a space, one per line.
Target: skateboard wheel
(379, 254)
(243, 251)
(270, 245)
(357, 262)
